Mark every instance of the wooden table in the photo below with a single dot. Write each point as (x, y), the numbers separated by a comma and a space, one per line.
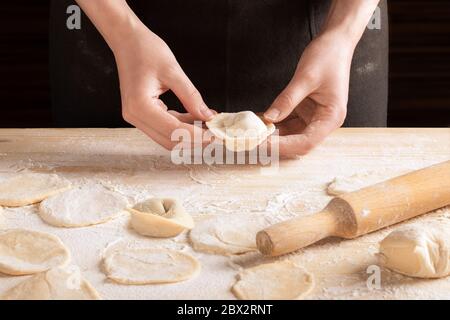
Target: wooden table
(131, 163)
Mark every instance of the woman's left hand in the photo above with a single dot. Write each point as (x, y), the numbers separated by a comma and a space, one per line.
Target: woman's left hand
(314, 103)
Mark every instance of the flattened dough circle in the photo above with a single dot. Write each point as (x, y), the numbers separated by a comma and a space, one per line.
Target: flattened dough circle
(282, 280)
(54, 284)
(26, 252)
(343, 184)
(140, 266)
(242, 131)
(227, 234)
(30, 188)
(421, 251)
(160, 218)
(82, 206)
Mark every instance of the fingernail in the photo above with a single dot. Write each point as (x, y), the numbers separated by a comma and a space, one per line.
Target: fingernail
(272, 114)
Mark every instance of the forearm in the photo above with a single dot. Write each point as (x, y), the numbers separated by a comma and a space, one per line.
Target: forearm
(115, 20)
(349, 18)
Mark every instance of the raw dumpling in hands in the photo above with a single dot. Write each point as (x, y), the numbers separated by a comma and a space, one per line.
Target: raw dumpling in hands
(242, 131)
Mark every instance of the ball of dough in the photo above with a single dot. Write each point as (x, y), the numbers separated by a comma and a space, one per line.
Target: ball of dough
(421, 251)
(242, 131)
(30, 188)
(283, 280)
(227, 234)
(26, 252)
(55, 284)
(82, 206)
(125, 264)
(160, 218)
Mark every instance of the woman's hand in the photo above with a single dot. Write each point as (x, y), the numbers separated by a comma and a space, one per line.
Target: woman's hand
(315, 101)
(147, 69)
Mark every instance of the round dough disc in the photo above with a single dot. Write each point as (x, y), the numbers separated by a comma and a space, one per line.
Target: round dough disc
(282, 280)
(29, 188)
(160, 218)
(341, 185)
(55, 284)
(82, 206)
(227, 234)
(242, 131)
(421, 251)
(26, 252)
(139, 266)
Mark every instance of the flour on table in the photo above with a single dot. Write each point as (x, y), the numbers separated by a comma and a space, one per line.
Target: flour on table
(55, 284)
(29, 188)
(160, 218)
(341, 185)
(421, 251)
(283, 280)
(134, 265)
(215, 175)
(26, 252)
(83, 206)
(227, 234)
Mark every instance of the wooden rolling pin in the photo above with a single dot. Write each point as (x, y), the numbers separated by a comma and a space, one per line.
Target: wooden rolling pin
(356, 213)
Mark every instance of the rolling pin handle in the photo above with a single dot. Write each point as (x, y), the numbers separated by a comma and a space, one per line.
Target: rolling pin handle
(302, 232)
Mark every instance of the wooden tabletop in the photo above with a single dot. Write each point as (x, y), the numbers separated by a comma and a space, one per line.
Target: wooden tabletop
(137, 167)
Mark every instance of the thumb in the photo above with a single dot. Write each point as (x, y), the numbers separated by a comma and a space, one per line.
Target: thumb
(295, 92)
(189, 96)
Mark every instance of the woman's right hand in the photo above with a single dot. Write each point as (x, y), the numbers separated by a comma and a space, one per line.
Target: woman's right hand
(147, 69)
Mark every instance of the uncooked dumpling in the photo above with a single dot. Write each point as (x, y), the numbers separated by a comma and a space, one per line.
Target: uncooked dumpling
(55, 284)
(227, 234)
(421, 251)
(242, 131)
(125, 264)
(29, 188)
(25, 252)
(82, 206)
(160, 218)
(283, 280)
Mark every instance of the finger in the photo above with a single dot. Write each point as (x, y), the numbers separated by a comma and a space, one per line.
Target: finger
(162, 105)
(153, 134)
(193, 135)
(311, 137)
(189, 96)
(306, 110)
(154, 117)
(151, 112)
(183, 117)
(295, 92)
(291, 126)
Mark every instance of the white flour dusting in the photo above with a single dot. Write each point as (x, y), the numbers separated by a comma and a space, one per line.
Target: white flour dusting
(299, 189)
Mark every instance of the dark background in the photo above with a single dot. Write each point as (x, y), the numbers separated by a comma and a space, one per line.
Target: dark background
(419, 64)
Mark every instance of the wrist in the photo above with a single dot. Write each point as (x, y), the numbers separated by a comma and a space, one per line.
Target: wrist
(115, 20)
(123, 32)
(338, 43)
(347, 20)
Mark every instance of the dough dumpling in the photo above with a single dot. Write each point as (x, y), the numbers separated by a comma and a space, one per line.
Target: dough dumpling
(25, 252)
(55, 284)
(418, 251)
(283, 280)
(30, 188)
(242, 131)
(160, 218)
